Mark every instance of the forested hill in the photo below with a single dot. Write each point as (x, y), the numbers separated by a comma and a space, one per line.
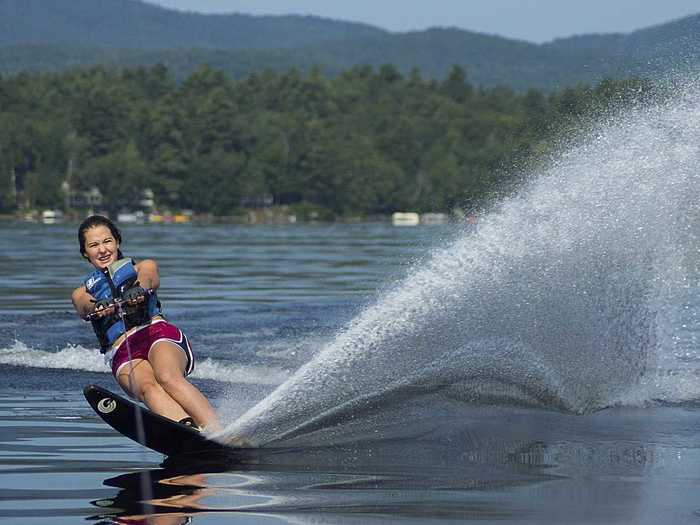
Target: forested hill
(362, 143)
(38, 35)
(678, 37)
(133, 24)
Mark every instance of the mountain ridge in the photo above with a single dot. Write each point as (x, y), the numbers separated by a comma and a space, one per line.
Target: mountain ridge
(241, 44)
(134, 24)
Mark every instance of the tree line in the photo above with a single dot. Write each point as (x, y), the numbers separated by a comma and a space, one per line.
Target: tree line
(367, 141)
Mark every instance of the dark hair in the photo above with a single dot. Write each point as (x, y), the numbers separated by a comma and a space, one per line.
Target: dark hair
(92, 222)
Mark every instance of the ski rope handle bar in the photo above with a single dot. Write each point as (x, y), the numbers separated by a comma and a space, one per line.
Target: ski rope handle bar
(118, 305)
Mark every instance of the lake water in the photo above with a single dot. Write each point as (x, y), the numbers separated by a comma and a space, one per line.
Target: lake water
(258, 302)
(541, 367)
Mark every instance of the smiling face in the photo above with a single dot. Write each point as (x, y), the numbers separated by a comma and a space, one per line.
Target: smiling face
(101, 248)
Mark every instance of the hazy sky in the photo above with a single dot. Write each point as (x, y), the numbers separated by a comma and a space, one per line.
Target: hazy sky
(534, 20)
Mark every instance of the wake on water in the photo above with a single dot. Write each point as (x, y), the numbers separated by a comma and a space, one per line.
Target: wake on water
(573, 295)
(76, 357)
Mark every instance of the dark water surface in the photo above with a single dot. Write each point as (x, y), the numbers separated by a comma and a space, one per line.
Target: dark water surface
(259, 302)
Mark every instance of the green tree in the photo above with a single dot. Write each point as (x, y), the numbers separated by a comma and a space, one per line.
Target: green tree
(456, 86)
(101, 114)
(216, 188)
(119, 176)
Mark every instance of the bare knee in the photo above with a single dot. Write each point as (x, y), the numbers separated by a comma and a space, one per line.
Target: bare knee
(170, 380)
(151, 388)
(145, 390)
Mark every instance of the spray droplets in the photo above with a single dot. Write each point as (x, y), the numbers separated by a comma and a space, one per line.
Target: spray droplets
(567, 297)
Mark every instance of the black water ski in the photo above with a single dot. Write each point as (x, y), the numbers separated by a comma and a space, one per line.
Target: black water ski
(159, 433)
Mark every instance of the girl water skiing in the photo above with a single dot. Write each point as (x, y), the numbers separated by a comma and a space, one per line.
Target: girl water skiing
(149, 357)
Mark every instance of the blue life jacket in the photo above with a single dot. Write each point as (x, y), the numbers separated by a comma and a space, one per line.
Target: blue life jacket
(111, 283)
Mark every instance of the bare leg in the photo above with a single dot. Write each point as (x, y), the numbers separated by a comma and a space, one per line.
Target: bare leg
(169, 362)
(137, 379)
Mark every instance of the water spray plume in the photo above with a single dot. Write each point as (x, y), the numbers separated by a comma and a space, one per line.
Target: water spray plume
(568, 297)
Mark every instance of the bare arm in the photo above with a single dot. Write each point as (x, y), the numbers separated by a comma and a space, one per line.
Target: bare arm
(148, 277)
(83, 302)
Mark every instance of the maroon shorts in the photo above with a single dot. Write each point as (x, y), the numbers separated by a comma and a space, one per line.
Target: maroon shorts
(141, 341)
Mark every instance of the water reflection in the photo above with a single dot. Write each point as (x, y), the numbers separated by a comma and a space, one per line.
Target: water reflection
(506, 464)
(583, 469)
(283, 493)
(396, 477)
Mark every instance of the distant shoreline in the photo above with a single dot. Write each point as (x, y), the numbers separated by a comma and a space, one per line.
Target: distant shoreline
(267, 216)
